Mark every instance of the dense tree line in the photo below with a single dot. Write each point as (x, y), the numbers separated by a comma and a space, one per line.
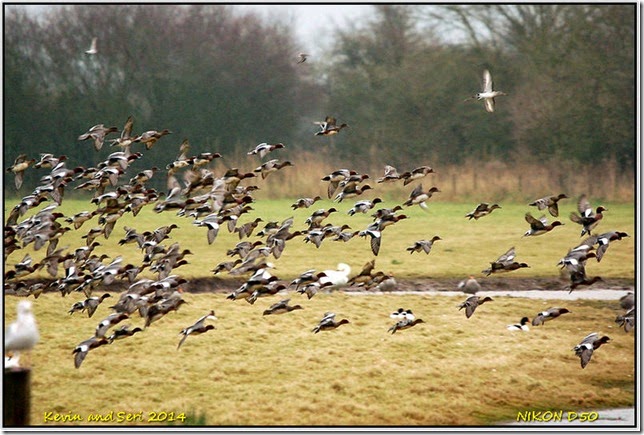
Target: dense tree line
(228, 81)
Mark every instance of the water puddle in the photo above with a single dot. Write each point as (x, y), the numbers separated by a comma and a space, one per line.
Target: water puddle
(564, 295)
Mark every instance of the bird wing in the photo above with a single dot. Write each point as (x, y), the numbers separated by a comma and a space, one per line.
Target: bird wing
(534, 222)
(590, 338)
(489, 105)
(583, 205)
(554, 209)
(585, 353)
(417, 191)
(79, 357)
(508, 257)
(487, 81)
(375, 241)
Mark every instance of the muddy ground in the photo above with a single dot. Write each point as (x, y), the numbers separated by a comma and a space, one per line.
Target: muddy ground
(227, 285)
(219, 285)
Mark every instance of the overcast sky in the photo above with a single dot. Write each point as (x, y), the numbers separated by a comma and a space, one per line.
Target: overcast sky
(314, 23)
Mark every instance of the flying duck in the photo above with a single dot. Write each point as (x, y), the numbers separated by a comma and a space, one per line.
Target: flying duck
(199, 327)
(627, 320)
(328, 323)
(329, 127)
(483, 209)
(305, 202)
(586, 217)
(264, 148)
(391, 174)
(602, 241)
(472, 303)
(90, 304)
(83, 348)
(488, 94)
(363, 206)
(584, 350)
(505, 263)
(539, 226)
(549, 202)
(416, 174)
(404, 324)
(281, 307)
(18, 168)
(423, 245)
(549, 314)
(418, 196)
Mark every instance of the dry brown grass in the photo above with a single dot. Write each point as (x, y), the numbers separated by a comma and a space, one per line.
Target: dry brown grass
(273, 371)
(473, 180)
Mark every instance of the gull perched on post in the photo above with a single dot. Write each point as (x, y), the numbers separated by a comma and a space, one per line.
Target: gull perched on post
(22, 334)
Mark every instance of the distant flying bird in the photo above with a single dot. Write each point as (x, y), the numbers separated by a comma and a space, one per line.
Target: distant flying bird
(329, 127)
(488, 94)
(302, 57)
(92, 47)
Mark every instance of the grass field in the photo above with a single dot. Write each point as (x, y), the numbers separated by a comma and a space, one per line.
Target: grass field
(272, 370)
(256, 370)
(466, 248)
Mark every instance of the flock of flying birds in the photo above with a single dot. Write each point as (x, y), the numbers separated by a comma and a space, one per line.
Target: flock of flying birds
(215, 201)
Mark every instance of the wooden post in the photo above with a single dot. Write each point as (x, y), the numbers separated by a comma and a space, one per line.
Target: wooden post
(16, 397)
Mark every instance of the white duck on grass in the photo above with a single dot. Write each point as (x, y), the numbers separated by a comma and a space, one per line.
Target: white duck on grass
(337, 278)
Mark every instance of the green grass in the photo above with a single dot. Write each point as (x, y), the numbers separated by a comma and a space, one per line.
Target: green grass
(466, 249)
(273, 371)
